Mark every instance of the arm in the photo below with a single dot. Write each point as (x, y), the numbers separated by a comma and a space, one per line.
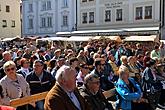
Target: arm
(126, 95)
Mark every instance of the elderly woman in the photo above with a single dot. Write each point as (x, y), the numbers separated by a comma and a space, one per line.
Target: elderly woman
(14, 85)
(92, 93)
(128, 90)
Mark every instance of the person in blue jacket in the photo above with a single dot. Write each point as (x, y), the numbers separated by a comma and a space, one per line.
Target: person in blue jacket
(128, 91)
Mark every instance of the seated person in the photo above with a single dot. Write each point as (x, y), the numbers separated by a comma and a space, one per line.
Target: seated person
(128, 92)
(92, 93)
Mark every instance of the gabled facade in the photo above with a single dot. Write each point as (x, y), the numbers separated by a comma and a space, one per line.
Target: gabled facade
(10, 24)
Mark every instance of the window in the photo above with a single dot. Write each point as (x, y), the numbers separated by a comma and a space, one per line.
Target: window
(107, 15)
(7, 8)
(30, 7)
(148, 12)
(4, 23)
(139, 13)
(48, 5)
(84, 17)
(65, 20)
(84, 0)
(43, 6)
(65, 3)
(119, 15)
(91, 0)
(49, 21)
(43, 22)
(91, 17)
(30, 23)
(0, 7)
(12, 23)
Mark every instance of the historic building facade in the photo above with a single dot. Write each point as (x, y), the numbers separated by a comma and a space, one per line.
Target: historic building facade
(117, 14)
(10, 24)
(46, 17)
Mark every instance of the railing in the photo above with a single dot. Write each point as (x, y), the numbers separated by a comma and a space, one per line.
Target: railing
(40, 96)
(28, 99)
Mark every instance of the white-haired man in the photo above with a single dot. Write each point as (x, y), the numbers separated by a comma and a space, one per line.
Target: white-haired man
(64, 95)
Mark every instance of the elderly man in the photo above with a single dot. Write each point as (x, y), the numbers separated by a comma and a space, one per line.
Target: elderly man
(40, 81)
(92, 93)
(64, 95)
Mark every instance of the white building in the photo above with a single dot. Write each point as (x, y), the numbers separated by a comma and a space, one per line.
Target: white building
(10, 24)
(46, 17)
(118, 14)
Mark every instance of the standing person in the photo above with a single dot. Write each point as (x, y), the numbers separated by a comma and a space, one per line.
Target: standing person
(39, 81)
(13, 85)
(92, 93)
(64, 95)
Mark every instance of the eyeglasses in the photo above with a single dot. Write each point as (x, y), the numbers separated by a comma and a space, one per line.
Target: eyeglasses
(85, 67)
(8, 69)
(38, 65)
(26, 62)
(102, 64)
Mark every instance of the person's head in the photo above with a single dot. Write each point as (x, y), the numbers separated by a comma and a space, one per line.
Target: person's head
(99, 64)
(73, 62)
(124, 59)
(52, 63)
(57, 52)
(123, 72)
(156, 48)
(60, 61)
(38, 67)
(150, 63)
(84, 68)
(10, 69)
(66, 77)
(92, 82)
(24, 63)
(6, 55)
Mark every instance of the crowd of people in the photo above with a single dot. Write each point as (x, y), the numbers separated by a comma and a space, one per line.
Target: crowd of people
(77, 78)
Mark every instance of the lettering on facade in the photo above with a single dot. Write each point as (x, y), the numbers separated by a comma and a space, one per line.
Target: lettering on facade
(114, 5)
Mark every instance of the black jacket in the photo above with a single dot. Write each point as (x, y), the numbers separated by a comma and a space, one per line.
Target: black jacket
(38, 86)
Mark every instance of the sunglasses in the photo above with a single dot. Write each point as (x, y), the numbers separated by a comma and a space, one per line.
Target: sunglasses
(86, 67)
(102, 64)
(8, 69)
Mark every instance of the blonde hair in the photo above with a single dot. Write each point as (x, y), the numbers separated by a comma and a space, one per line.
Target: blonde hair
(8, 63)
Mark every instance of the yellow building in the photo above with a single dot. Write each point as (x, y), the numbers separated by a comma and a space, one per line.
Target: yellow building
(10, 24)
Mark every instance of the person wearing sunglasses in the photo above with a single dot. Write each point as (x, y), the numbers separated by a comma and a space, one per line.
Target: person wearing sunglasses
(84, 70)
(99, 71)
(92, 93)
(14, 85)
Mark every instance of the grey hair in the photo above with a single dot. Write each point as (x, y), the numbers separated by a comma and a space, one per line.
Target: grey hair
(8, 63)
(122, 71)
(90, 77)
(62, 73)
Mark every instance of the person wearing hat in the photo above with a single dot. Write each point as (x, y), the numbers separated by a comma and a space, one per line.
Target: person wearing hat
(92, 93)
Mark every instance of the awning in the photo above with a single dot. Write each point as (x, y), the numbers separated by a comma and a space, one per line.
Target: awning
(79, 38)
(152, 38)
